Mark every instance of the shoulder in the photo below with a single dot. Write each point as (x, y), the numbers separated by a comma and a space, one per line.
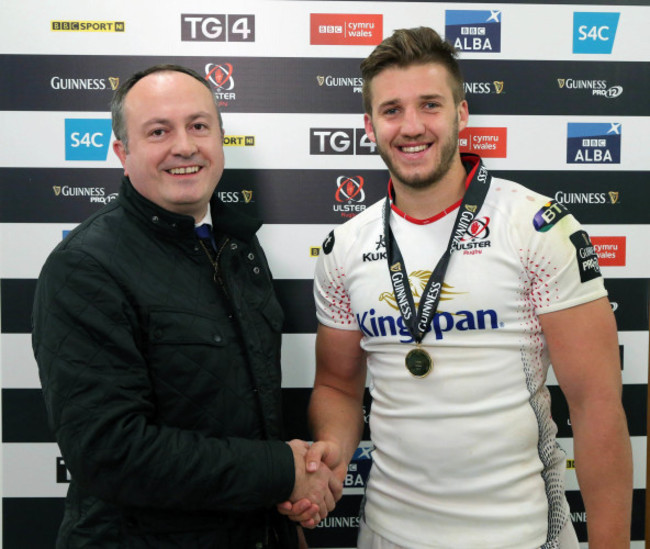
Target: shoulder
(510, 194)
(370, 220)
(97, 228)
(523, 207)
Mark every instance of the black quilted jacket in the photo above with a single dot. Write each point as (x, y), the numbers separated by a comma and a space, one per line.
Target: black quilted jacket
(164, 396)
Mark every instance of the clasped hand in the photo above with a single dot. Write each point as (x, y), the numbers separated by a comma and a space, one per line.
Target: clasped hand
(318, 485)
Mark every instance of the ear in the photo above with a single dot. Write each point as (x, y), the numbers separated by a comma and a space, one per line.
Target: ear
(463, 115)
(120, 150)
(370, 131)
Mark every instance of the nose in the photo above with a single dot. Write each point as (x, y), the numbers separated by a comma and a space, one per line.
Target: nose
(184, 144)
(412, 125)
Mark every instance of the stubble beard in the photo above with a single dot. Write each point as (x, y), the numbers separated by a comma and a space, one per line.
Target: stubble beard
(448, 152)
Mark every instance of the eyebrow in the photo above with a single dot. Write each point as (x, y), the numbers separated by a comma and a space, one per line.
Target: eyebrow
(161, 120)
(396, 101)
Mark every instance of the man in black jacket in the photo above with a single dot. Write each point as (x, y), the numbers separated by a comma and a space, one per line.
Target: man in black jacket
(159, 351)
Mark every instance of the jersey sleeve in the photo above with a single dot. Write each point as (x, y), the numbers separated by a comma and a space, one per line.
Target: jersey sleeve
(333, 305)
(559, 259)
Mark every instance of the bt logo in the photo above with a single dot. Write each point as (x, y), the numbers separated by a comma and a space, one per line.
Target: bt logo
(594, 32)
(87, 139)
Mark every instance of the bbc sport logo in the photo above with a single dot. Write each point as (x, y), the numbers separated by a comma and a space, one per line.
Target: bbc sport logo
(87, 139)
(594, 32)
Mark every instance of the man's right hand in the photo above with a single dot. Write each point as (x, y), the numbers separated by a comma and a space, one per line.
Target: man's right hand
(316, 489)
(330, 454)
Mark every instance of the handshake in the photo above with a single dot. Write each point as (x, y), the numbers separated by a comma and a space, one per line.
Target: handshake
(320, 471)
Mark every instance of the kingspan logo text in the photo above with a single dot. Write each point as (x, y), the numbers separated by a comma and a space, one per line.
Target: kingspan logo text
(377, 326)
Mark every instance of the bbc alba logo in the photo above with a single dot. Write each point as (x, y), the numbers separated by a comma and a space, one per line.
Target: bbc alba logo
(593, 143)
(204, 27)
(474, 30)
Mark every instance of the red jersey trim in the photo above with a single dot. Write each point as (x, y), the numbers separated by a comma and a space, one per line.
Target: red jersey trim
(467, 159)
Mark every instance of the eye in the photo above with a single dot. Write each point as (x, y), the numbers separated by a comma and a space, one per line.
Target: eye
(157, 132)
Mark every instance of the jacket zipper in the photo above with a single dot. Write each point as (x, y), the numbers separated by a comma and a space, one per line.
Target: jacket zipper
(217, 269)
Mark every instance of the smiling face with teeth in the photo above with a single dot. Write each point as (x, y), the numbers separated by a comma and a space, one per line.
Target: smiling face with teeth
(175, 142)
(415, 123)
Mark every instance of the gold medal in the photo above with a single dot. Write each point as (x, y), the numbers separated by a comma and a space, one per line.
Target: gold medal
(419, 362)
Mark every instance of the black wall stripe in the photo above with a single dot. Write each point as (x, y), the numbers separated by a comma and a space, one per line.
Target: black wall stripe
(291, 86)
(28, 195)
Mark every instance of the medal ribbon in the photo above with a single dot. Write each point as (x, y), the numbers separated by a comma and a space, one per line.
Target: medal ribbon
(418, 322)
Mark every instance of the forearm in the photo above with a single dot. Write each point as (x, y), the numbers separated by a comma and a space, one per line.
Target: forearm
(336, 417)
(604, 467)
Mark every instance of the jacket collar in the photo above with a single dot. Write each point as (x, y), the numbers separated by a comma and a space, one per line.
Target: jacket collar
(225, 220)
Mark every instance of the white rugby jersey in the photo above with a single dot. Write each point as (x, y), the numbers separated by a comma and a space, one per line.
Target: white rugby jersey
(465, 457)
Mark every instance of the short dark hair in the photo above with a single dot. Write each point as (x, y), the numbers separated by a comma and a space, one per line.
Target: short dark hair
(406, 47)
(117, 103)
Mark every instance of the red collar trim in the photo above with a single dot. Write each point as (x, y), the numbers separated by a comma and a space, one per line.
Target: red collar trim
(468, 160)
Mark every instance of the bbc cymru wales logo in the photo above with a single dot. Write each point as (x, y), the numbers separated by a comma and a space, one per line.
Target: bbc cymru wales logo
(87, 139)
(593, 143)
(206, 27)
(337, 29)
(488, 142)
(88, 26)
(610, 250)
(474, 30)
(594, 32)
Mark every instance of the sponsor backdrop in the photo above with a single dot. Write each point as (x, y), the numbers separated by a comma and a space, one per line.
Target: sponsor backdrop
(558, 102)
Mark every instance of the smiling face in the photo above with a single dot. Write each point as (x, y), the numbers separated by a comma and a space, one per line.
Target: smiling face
(175, 143)
(415, 123)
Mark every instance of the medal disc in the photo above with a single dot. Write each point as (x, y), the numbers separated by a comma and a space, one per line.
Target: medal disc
(419, 362)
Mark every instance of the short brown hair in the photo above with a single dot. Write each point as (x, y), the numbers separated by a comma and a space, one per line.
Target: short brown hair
(407, 47)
